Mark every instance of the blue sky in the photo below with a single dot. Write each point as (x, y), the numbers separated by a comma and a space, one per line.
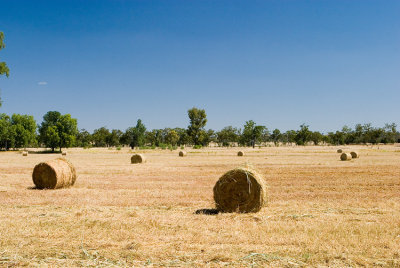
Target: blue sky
(280, 63)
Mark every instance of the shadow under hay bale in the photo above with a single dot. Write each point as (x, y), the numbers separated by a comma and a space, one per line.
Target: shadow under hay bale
(137, 159)
(64, 153)
(24, 153)
(240, 190)
(240, 153)
(355, 154)
(207, 211)
(345, 157)
(340, 151)
(182, 153)
(54, 174)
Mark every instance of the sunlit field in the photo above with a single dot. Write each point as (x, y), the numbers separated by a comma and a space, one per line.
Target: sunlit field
(321, 211)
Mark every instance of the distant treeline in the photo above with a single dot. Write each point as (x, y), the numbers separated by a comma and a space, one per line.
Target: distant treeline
(61, 131)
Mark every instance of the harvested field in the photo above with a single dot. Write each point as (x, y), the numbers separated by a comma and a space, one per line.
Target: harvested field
(321, 211)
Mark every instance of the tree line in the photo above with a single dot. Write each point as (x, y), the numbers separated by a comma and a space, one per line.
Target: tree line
(59, 131)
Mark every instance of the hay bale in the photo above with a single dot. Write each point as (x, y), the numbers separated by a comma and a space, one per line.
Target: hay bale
(64, 153)
(24, 153)
(182, 153)
(138, 158)
(240, 153)
(54, 174)
(345, 156)
(355, 154)
(340, 151)
(240, 190)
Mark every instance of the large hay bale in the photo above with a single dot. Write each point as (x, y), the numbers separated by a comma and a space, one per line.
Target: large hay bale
(240, 153)
(64, 153)
(345, 157)
(182, 153)
(53, 174)
(355, 154)
(138, 158)
(340, 151)
(24, 153)
(240, 190)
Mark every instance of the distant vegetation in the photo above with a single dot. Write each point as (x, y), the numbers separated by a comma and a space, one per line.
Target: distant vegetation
(60, 131)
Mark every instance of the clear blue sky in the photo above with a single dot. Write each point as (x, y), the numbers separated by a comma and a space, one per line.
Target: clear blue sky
(279, 63)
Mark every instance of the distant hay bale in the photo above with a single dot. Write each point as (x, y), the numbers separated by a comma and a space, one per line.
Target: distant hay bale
(138, 158)
(355, 154)
(340, 151)
(54, 174)
(345, 156)
(24, 153)
(64, 153)
(240, 153)
(240, 190)
(182, 153)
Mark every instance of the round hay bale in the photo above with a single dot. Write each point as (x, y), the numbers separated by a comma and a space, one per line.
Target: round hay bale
(54, 174)
(240, 153)
(355, 154)
(24, 153)
(340, 151)
(182, 153)
(345, 156)
(137, 158)
(64, 153)
(240, 190)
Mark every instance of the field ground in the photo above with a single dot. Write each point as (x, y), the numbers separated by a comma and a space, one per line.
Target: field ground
(321, 211)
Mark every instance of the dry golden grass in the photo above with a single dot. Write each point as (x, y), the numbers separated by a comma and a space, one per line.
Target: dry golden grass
(321, 211)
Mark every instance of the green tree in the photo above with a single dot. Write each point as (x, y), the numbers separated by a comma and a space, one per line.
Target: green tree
(6, 132)
(99, 137)
(228, 135)
(135, 136)
(198, 120)
(276, 136)
(3, 66)
(113, 138)
(58, 130)
(83, 138)
(24, 128)
(252, 133)
(172, 137)
(303, 135)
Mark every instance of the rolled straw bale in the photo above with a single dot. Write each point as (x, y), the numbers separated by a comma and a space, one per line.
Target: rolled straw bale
(340, 151)
(182, 153)
(64, 153)
(355, 154)
(240, 153)
(53, 174)
(240, 190)
(138, 158)
(24, 153)
(345, 156)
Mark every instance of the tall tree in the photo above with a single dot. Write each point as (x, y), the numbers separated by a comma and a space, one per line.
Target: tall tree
(252, 133)
(58, 130)
(3, 66)
(228, 135)
(24, 128)
(135, 136)
(198, 120)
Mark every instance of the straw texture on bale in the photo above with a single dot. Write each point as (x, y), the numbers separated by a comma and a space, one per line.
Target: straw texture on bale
(240, 190)
(240, 153)
(54, 174)
(355, 154)
(138, 158)
(24, 153)
(182, 153)
(345, 156)
(340, 151)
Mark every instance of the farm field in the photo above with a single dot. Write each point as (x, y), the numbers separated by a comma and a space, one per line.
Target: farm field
(321, 211)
